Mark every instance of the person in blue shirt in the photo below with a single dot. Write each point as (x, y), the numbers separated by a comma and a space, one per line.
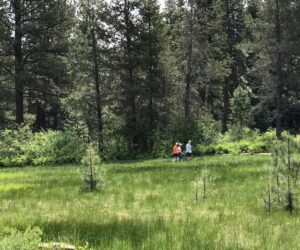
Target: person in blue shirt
(188, 150)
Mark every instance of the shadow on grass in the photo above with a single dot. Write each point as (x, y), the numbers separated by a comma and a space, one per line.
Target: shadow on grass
(127, 231)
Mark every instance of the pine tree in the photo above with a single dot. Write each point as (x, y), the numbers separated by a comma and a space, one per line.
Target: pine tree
(92, 29)
(37, 33)
(285, 170)
(93, 176)
(230, 26)
(152, 45)
(188, 28)
(278, 61)
(126, 21)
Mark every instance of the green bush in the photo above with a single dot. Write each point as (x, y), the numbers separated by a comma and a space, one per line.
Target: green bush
(53, 147)
(12, 144)
(29, 240)
(22, 147)
(253, 145)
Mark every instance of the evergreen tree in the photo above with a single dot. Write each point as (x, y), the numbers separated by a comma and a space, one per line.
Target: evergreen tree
(90, 42)
(126, 21)
(278, 61)
(37, 33)
(153, 89)
(228, 35)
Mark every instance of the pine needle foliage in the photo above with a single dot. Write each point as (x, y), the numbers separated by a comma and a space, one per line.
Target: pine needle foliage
(92, 174)
(285, 167)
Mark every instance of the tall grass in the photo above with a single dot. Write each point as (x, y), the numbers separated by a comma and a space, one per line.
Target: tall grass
(150, 205)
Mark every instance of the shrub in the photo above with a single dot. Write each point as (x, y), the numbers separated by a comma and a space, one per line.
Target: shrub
(28, 240)
(162, 149)
(22, 147)
(253, 145)
(53, 147)
(12, 142)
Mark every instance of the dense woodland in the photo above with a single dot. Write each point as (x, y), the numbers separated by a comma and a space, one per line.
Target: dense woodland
(133, 76)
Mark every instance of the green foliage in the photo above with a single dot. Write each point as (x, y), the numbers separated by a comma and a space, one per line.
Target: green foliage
(204, 130)
(162, 148)
(93, 175)
(15, 240)
(21, 146)
(285, 169)
(13, 146)
(241, 109)
(54, 147)
(207, 130)
(252, 143)
(116, 150)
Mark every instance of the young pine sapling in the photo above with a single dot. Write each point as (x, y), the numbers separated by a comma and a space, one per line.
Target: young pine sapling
(200, 185)
(285, 171)
(92, 174)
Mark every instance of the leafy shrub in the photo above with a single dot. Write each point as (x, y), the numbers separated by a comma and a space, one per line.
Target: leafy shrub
(253, 145)
(53, 147)
(22, 147)
(12, 142)
(29, 240)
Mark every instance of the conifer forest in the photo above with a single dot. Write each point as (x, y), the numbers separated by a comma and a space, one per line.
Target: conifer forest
(133, 75)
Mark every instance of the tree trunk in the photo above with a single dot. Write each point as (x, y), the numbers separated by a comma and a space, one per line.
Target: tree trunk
(227, 81)
(279, 79)
(188, 77)
(55, 113)
(130, 88)
(232, 78)
(188, 80)
(225, 106)
(98, 91)
(40, 120)
(151, 89)
(19, 86)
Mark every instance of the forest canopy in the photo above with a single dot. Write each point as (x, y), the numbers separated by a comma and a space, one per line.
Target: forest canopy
(132, 76)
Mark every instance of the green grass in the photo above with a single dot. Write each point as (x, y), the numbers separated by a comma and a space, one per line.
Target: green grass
(150, 205)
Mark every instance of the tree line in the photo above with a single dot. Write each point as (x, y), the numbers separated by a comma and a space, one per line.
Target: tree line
(134, 76)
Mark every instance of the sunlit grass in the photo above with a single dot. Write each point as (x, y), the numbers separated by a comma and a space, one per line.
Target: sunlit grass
(150, 205)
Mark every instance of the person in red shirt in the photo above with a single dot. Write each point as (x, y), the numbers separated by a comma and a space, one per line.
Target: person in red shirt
(179, 154)
(175, 151)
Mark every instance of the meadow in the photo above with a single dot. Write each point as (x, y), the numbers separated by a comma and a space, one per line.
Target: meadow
(150, 205)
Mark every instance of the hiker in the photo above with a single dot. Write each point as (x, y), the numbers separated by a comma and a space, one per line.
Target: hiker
(188, 150)
(179, 153)
(175, 151)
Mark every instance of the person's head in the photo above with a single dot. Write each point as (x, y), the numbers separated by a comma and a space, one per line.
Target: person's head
(190, 141)
(177, 143)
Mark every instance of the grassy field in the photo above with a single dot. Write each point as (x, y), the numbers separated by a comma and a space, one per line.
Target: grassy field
(150, 205)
